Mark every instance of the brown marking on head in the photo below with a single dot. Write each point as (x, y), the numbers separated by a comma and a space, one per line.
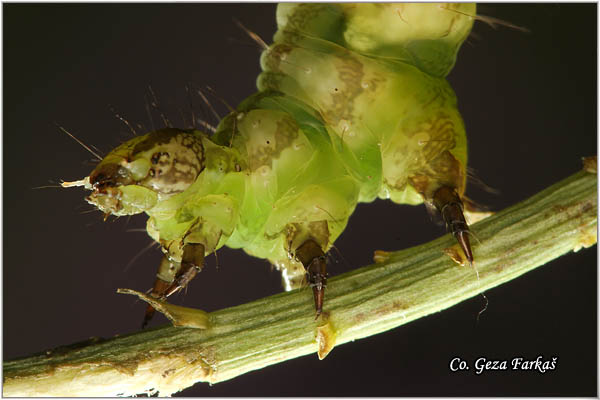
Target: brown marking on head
(156, 138)
(109, 175)
(177, 160)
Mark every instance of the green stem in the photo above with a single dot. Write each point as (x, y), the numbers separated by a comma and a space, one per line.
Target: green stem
(408, 285)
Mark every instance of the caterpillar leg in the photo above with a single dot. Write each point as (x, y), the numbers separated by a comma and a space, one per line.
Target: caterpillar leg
(305, 245)
(448, 203)
(314, 260)
(441, 184)
(173, 276)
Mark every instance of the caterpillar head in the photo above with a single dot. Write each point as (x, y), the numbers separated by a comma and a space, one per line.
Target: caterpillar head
(144, 170)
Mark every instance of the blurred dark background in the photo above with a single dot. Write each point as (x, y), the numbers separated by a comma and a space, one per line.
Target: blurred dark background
(530, 107)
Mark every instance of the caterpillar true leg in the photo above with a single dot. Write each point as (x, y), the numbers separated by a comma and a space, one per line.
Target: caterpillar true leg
(173, 276)
(313, 258)
(161, 284)
(191, 263)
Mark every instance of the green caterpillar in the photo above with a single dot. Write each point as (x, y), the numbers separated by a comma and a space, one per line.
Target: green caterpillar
(352, 105)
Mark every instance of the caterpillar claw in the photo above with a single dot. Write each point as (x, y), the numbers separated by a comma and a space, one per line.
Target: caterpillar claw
(463, 239)
(192, 262)
(158, 292)
(314, 260)
(148, 315)
(318, 294)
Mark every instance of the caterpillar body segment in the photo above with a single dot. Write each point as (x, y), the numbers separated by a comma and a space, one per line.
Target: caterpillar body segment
(352, 105)
(379, 86)
(389, 118)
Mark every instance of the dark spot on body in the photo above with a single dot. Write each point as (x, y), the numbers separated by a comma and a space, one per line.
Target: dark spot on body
(156, 157)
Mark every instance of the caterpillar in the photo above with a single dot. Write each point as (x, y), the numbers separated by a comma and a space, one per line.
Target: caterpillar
(352, 105)
(517, 99)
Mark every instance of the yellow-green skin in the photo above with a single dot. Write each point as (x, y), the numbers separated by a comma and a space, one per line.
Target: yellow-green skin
(352, 105)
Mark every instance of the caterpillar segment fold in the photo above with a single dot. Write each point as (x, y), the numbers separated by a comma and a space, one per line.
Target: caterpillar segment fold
(352, 105)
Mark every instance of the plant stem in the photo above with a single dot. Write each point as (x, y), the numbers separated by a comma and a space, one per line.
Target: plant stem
(406, 285)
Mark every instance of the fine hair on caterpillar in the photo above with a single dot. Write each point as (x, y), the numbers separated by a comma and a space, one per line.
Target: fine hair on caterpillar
(353, 105)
